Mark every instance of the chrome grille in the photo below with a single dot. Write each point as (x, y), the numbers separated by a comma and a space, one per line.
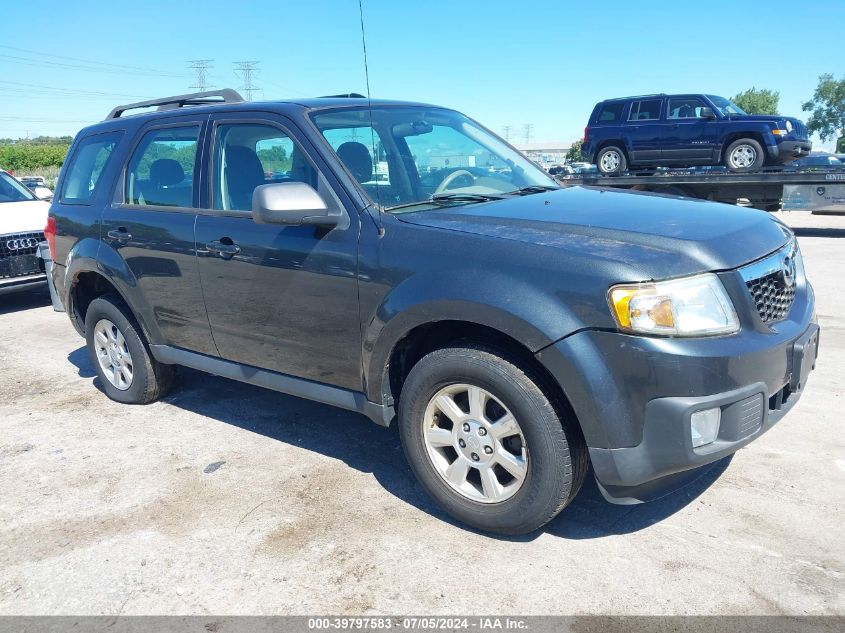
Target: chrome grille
(771, 283)
(19, 254)
(800, 130)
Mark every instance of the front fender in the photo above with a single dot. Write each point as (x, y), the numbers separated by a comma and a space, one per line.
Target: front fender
(507, 304)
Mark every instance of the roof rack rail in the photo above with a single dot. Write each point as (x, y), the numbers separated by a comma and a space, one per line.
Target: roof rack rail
(348, 95)
(211, 97)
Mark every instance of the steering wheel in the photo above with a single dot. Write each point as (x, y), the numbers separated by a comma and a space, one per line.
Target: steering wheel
(448, 180)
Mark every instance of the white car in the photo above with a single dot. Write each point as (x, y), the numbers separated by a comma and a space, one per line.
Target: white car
(22, 220)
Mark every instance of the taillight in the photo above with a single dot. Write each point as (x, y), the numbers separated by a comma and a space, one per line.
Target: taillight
(586, 133)
(50, 236)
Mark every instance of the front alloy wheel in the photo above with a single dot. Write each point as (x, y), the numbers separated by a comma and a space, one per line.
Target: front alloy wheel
(743, 157)
(475, 444)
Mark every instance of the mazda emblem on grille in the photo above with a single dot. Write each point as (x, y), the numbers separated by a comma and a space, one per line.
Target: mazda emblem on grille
(20, 244)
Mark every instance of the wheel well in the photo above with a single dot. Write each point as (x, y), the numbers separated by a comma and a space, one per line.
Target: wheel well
(426, 338)
(738, 135)
(87, 287)
(619, 143)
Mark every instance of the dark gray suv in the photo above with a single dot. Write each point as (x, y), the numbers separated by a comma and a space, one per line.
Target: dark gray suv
(402, 261)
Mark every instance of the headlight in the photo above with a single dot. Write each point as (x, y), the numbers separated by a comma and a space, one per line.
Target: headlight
(693, 306)
(789, 126)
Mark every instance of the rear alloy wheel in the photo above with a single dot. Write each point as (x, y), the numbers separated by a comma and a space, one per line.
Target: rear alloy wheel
(611, 160)
(121, 357)
(486, 442)
(745, 154)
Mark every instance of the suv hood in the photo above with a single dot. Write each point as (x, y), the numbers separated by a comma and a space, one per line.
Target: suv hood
(657, 236)
(763, 117)
(27, 216)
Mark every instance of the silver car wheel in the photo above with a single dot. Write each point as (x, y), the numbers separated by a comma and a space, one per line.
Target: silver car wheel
(113, 354)
(743, 156)
(475, 443)
(610, 161)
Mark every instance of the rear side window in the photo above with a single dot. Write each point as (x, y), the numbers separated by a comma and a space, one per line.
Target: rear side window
(646, 110)
(611, 112)
(86, 167)
(161, 170)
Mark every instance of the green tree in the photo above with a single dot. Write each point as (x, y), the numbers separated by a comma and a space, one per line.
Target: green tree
(840, 145)
(574, 154)
(755, 101)
(827, 109)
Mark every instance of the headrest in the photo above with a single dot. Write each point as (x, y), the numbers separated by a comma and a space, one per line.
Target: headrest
(166, 172)
(357, 159)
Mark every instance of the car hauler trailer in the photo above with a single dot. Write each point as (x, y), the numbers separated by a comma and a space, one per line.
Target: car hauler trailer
(770, 190)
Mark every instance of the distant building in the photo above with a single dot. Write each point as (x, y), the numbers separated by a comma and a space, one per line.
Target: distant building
(547, 153)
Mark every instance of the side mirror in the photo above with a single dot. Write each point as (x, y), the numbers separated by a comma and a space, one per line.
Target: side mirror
(707, 113)
(290, 203)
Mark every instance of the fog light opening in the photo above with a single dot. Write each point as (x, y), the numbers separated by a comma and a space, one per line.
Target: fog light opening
(704, 426)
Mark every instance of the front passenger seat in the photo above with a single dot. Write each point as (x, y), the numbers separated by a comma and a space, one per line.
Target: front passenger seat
(357, 159)
(243, 172)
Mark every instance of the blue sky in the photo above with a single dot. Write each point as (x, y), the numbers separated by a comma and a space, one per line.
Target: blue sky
(503, 63)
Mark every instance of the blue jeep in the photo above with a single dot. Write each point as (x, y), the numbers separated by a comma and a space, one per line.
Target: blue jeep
(687, 130)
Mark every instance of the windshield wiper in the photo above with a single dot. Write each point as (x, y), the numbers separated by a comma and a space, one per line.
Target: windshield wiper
(447, 198)
(524, 191)
(464, 197)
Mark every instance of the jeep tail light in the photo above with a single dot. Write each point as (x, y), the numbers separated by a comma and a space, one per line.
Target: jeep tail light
(586, 133)
(50, 236)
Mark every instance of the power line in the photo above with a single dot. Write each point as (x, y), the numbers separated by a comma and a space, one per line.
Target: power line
(78, 59)
(246, 70)
(201, 68)
(69, 91)
(43, 63)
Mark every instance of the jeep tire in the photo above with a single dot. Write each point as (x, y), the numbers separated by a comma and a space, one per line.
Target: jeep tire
(744, 154)
(611, 160)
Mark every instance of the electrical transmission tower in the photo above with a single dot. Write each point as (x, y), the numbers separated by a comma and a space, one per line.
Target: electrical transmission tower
(246, 70)
(201, 68)
(507, 130)
(527, 131)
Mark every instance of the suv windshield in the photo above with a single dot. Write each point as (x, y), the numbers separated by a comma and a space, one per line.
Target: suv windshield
(13, 191)
(726, 106)
(415, 157)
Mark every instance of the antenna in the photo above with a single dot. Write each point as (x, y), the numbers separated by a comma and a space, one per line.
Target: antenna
(201, 67)
(370, 110)
(246, 70)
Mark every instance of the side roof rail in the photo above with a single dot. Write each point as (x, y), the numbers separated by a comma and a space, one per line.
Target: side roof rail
(210, 97)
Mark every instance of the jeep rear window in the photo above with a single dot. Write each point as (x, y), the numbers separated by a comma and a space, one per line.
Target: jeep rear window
(85, 169)
(648, 110)
(611, 112)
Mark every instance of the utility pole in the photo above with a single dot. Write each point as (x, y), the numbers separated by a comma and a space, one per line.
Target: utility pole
(527, 130)
(201, 68)
(246, 70)
(507, 130)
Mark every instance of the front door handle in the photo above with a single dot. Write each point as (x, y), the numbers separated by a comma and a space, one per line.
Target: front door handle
(226, 250)
(121, 235)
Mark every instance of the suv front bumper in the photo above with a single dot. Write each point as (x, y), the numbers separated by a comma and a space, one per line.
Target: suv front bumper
(635, 396)
(787, 151)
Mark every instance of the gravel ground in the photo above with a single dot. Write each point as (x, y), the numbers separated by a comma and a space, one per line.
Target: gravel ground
(228, 499)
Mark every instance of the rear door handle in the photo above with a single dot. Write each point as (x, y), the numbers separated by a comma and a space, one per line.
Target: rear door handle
(224, 250)
(121, 235)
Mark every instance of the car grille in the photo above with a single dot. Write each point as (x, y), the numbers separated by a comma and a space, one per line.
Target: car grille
(800, 130)
(771, 283)
(19, 254)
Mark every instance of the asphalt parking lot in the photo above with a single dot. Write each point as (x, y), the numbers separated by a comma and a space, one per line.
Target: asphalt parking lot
(228, 499)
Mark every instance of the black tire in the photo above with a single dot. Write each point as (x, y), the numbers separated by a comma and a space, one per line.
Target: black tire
(620, 161)
(557, 459)
(150, 379)
(752, 146)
